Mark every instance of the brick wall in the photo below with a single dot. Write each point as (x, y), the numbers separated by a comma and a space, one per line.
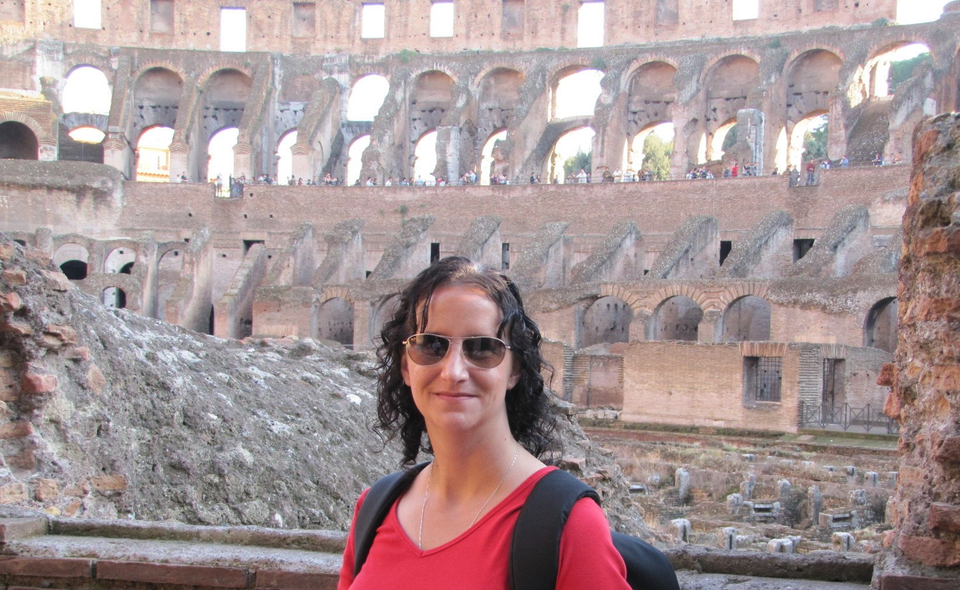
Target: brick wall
(923, 550)
(478, 24)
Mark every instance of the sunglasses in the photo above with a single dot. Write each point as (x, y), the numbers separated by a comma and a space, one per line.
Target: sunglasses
(485, 352)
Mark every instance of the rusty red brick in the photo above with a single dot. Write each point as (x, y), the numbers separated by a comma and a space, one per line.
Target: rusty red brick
(282, 580)
(7, 250)
(16, 429)
(944, 517)
(34, 383)
(48, 567)
(892, 407)
(888, 375)
(903, 582)
(942, 240)
(109, 483)
(949, 450)
(10, 302)
(81, 353)
(57, 281)
(15, 277)
(929, 551)
(163, 573)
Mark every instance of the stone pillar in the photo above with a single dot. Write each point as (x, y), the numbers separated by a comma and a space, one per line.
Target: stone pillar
(300, 160)
(923, 549)
(707, 328)
(116, 153)
(750, 127)
(179, 161)
(448, 153)
(243, 160)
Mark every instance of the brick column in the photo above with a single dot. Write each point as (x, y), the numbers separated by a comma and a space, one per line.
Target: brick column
(923, 550)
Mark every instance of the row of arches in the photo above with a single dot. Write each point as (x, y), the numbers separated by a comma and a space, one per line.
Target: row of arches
(645, 96)
(608, 320)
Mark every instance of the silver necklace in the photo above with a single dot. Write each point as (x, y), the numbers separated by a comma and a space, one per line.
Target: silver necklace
(426, 492)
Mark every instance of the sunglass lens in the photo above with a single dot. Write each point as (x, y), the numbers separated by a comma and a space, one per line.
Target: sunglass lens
(483, 351)
(428, 349)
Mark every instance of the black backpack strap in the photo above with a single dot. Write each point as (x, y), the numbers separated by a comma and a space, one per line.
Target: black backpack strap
(647, 567)
(374, 509)
(535, 550)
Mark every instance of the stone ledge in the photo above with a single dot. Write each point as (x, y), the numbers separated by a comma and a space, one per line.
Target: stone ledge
(826, 566)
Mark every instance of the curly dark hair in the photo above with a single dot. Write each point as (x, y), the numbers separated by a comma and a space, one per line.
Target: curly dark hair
(528, 407)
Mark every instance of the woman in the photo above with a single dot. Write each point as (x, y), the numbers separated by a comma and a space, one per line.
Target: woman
(460, 361)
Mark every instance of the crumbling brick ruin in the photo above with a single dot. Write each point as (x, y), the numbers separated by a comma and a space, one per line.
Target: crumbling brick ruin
(752, 303)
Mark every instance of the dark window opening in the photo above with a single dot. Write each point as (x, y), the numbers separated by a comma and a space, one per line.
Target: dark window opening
(126, 269)
(369, 272)
(247, 244)
(21, 242)
(434, 252)
(725, 247)
(801, 247)
(762, 377)
(211, 322)
(74, 269)
(505, 256)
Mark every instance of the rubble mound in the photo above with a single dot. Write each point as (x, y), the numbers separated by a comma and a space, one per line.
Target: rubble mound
(109, 414)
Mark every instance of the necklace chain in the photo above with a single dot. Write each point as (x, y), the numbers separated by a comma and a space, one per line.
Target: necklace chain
(426, 492)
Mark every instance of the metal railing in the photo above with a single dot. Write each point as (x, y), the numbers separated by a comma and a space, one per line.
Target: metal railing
(846, 418)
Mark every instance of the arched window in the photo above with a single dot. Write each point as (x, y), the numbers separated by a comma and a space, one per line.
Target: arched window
(335, 321)
(676, 318)
(606, 321)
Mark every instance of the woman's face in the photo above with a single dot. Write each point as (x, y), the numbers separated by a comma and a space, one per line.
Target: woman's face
(454, 393)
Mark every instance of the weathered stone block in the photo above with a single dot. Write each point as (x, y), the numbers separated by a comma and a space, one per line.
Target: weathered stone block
(56, 336)
(9, 387)
(46, 490)
(188, 575)
(903, 582)
(10, 302)
(56, 281)
(944, 517)
(95, 379)
(25, 459)
(15, 277)
(949, 452)
(295, 580)
(48, 567)
(13, 493)
(33, 383)
(7, 250)
(888, 375)
(109, 483)
(17, 429)
(927, 551)
(78, 353)
(16, 327)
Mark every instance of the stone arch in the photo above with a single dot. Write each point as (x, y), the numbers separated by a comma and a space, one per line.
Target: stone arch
(880, 326)
(498, 94)
(606, 320)
(430, 97)
(676, 318)
(727, 85)
(629, 297)
(118, 259)
(629, 73)
(73, 260)
(225, 95)
(92, 84)
(156, 98)
(652, 92)
(18, 142)
(42, 136)
(746, 318)
(810, 79)
(688, 291)
(558, 96)
(335, 317)
(361, 88)
(491, 159)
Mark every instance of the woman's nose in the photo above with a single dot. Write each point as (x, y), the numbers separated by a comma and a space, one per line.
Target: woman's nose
(454, 366)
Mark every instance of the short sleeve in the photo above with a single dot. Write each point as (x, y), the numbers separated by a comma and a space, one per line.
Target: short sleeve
(588, 558)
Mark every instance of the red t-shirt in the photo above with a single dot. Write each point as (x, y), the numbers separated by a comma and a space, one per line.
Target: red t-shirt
(479, 558)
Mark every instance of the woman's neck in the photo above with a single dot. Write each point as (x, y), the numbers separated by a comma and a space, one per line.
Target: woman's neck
(464, 467)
